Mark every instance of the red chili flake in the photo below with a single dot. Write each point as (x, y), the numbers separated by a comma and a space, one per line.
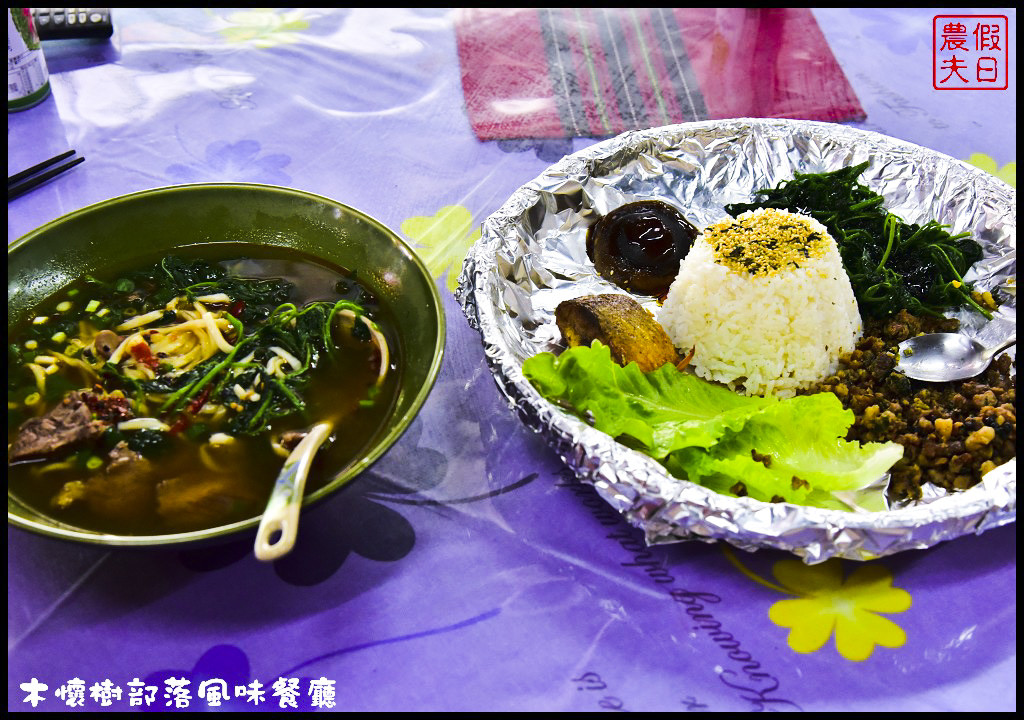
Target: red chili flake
(237, 307)
(200, 400)
(110, 408)
(142, 353)
(179, 426)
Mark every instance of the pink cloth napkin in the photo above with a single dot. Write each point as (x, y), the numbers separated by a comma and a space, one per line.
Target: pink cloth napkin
(595, 72)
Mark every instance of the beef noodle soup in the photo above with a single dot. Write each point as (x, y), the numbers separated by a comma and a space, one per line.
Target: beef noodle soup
(166, 397)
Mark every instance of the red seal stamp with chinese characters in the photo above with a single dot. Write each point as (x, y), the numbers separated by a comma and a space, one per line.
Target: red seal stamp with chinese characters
(970, 52)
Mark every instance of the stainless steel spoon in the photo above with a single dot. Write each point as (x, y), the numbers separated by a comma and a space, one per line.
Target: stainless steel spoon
(941, 357)
(280, 523)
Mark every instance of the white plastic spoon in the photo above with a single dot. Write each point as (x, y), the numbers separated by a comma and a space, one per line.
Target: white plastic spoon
(281, 517)
(280, 521)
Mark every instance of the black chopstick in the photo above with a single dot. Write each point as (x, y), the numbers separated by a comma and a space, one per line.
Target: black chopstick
(36, 168)
(20, 183)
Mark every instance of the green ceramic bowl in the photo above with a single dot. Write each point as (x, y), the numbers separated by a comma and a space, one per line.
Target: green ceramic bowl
(116, 231)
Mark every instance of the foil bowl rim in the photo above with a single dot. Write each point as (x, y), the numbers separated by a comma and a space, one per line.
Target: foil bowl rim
(990, 503)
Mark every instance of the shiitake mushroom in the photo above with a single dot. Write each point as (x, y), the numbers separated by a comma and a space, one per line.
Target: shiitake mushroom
(639, 245)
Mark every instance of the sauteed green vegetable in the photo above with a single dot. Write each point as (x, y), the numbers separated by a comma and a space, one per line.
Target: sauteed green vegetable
(893, 265)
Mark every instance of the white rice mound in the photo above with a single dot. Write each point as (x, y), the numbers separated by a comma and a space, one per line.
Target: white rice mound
(763, 334)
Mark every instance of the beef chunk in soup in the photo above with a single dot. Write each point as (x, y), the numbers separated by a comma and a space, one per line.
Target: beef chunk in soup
(292, 438)
(121, 492)
(203, 500)
(124, 490)
(69, 423)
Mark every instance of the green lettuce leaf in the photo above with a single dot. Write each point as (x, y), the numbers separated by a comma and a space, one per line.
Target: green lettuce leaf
(793, 448)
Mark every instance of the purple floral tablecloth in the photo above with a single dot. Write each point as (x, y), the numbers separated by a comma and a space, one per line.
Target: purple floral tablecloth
(465, 570)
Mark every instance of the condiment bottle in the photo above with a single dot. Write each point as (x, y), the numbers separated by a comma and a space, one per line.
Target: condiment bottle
(28, 81)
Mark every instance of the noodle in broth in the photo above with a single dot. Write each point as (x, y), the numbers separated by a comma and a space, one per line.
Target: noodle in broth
(165, 399)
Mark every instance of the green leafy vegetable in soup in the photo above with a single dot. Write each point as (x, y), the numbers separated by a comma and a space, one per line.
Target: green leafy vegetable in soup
(167, 398)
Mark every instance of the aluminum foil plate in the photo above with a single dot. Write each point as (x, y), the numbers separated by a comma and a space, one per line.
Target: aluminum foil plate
(531, 256)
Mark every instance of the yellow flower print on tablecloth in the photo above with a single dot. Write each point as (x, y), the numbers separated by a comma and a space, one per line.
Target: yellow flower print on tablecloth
(264, 27)
(1007, 173)
(848, 608)
(825, 603)
(443, 240)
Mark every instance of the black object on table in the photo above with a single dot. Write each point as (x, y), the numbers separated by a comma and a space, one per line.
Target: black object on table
(21, 182)
(71, 23)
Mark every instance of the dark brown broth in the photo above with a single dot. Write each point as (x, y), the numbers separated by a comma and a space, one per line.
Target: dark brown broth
(207, 498)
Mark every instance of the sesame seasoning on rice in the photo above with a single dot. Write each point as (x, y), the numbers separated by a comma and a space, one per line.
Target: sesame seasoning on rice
(767, 241)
